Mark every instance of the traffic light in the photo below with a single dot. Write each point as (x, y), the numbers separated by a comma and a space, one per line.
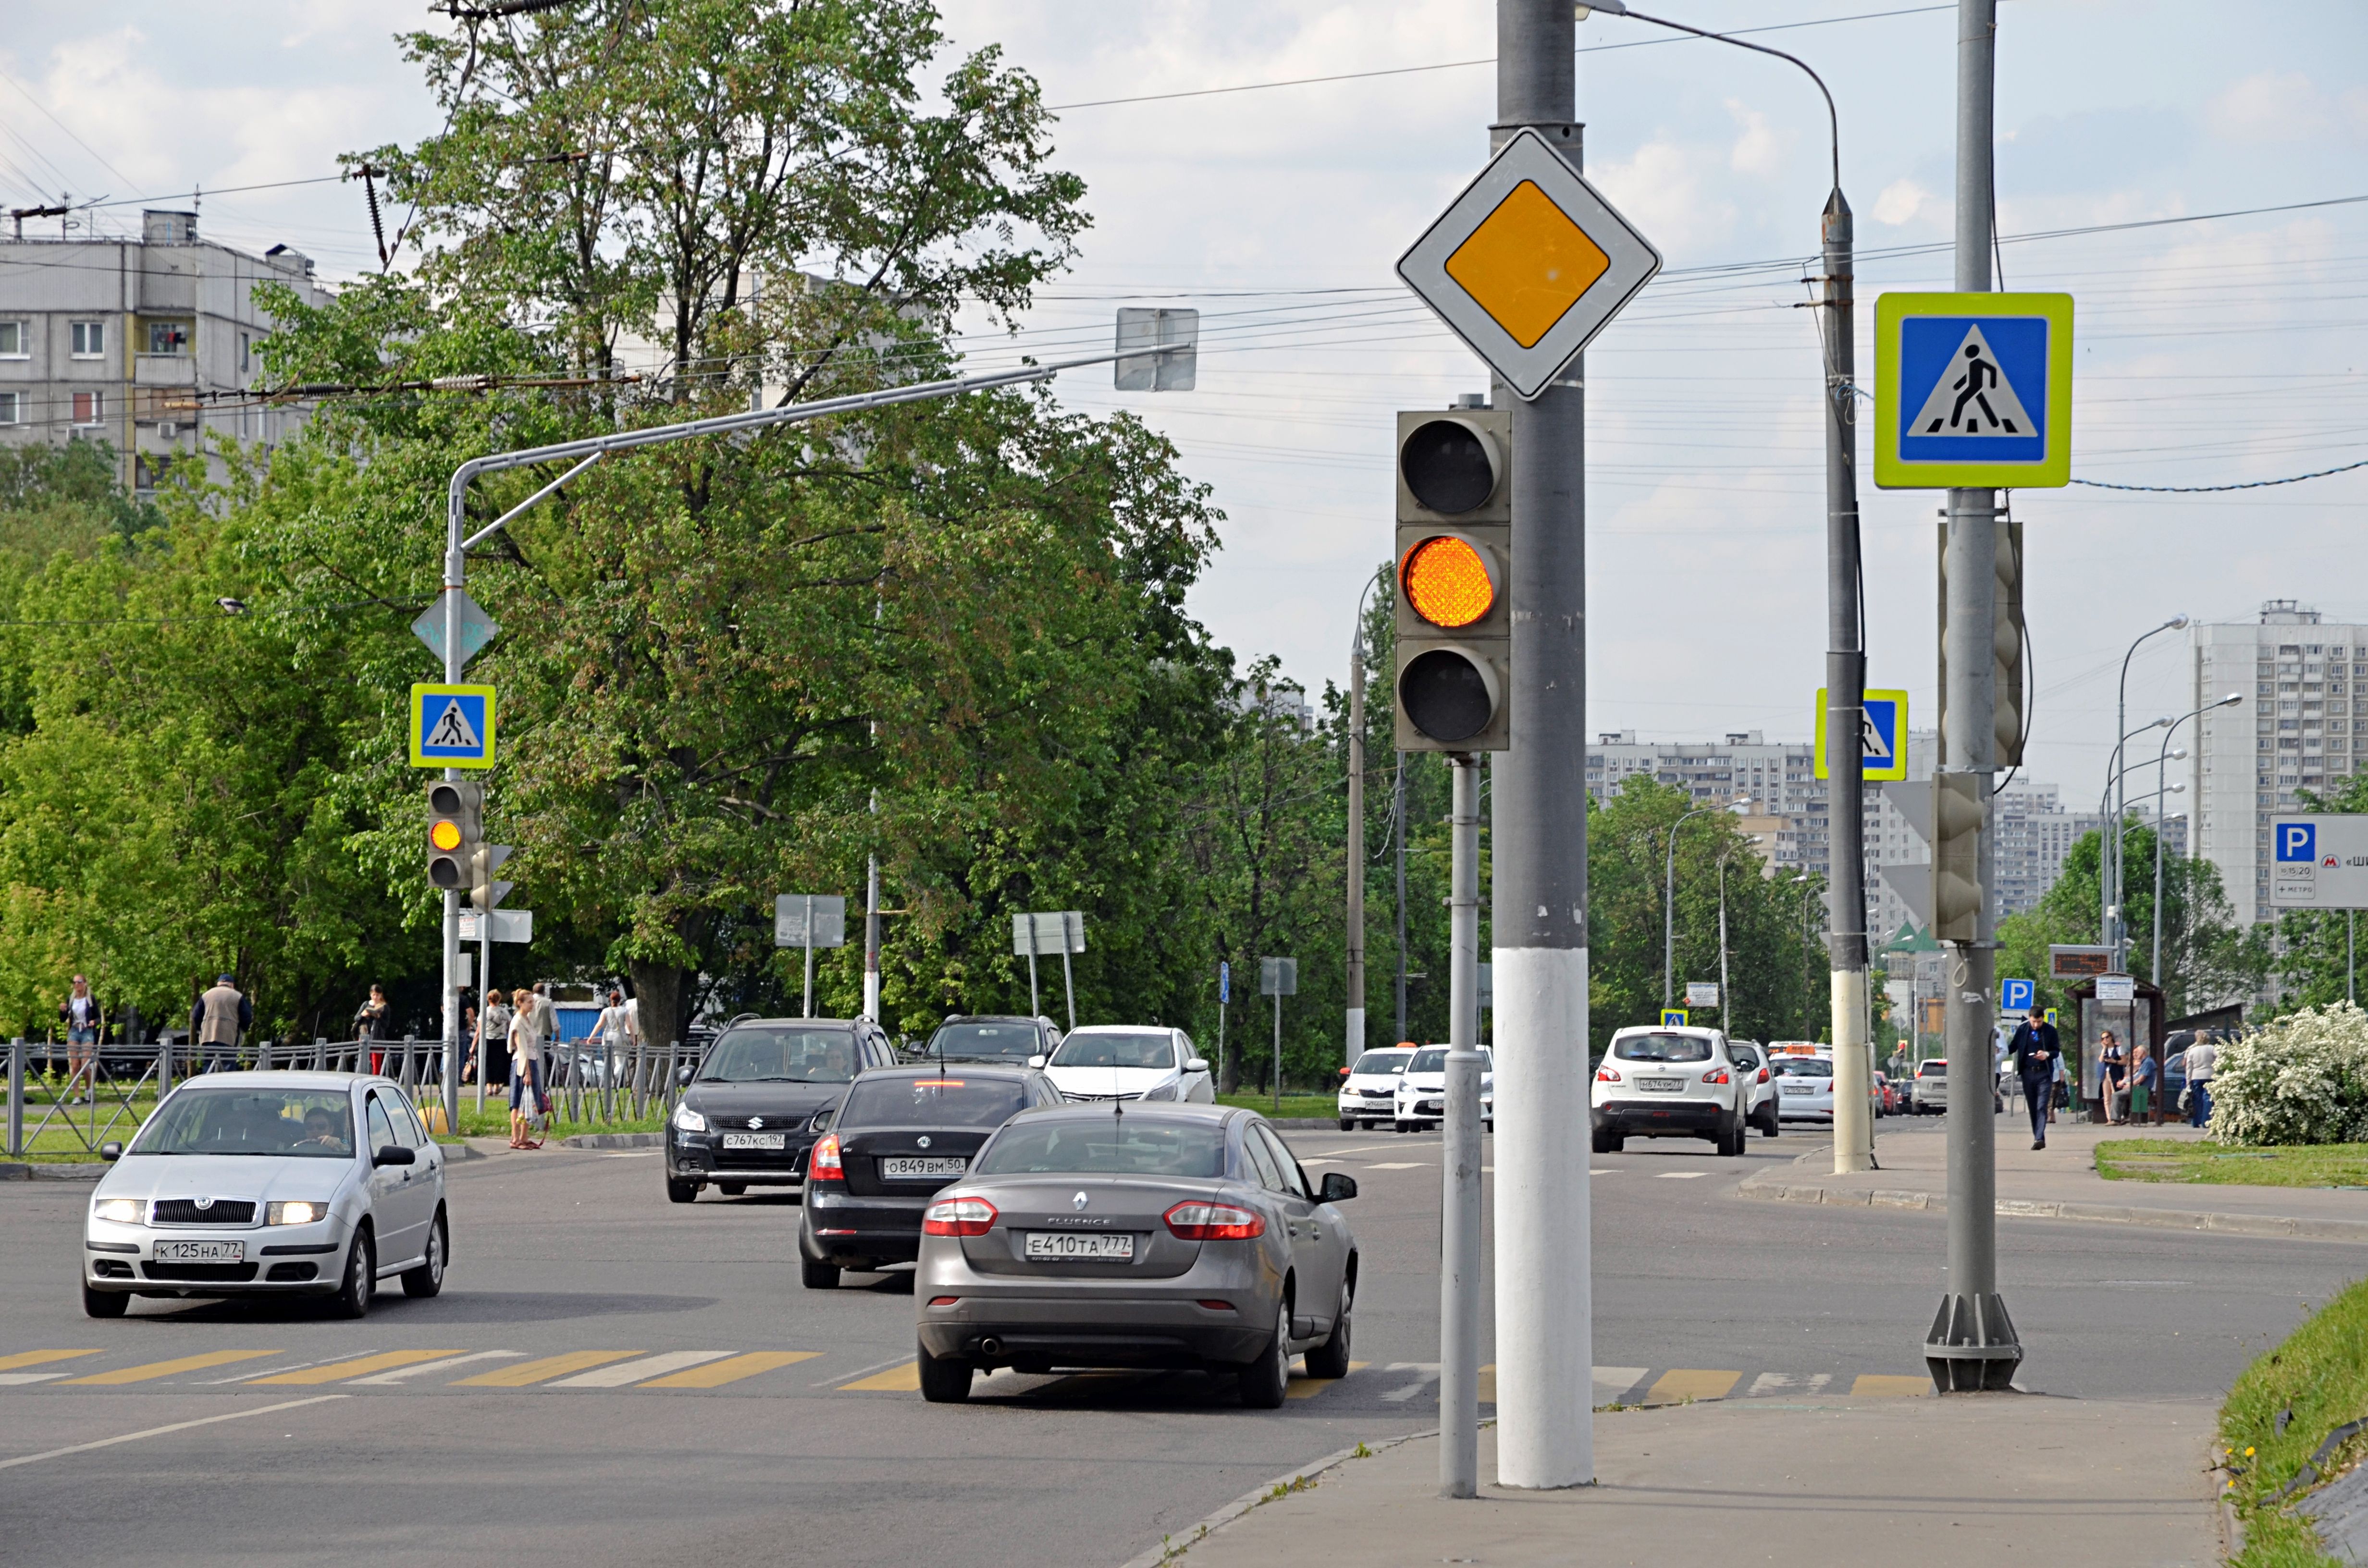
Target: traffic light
(1957, 856)
(1454, 580)
(457, 860)
(2006, 645)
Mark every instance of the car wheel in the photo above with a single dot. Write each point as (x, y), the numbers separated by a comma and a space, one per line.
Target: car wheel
(1347, 1124)
(105, 1303)
(818, 1276)
(1400, 1126)
(1608, 1142)
(429, 1278)
(731, 1188)
(682, 1192)
(1330, 1360)
(1730, 1140)
(945, 1379)
(353, 1297)
(1263, 1380)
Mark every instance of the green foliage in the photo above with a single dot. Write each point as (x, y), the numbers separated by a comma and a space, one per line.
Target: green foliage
(2302, 1079)
(2318, 1381)
(2318, 959)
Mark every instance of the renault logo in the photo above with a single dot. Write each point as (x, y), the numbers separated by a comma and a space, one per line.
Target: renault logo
(754, 1122)
(205, 1203)
(922, 1142)
(1079, 1201)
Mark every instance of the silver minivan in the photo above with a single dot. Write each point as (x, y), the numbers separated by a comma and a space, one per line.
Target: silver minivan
(270, 1184)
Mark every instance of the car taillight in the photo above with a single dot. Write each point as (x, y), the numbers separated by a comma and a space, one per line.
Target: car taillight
(1607, 1074)
(1763, 1074)
(1197, 1221)
(1716, 1076)
(957, 1217)
(824, 1165)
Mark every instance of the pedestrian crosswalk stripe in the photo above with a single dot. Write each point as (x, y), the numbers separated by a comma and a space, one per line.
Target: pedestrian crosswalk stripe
(155, 1369)
(1875, 1385)
(402, 1374)
(905, 1379)
(1770, 1385)
(338, 1371)
(39, 1359)
(549, 1367)
(716, 1374)
(1611, 1383)
(625, 1372)
(1685, 1383)
(1308, 1387)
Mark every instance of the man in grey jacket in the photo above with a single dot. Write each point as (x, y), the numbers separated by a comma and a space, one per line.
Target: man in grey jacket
(220, 1016)
(2202, 1058)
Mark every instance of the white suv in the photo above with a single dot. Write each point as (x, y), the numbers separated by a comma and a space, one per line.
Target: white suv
(1671, 1083)
(1369, 1087)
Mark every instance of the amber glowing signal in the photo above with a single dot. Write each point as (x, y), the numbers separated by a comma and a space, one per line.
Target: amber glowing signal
(445, 836)
(1446, 582)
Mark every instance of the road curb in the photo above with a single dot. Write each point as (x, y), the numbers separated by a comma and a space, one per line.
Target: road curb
(1770, 1188)
(14, 1171)
(1174, 1546)
(614, 1141)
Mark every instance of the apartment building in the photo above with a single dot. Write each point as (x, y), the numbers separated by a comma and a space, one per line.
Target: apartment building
(121, 340)
(1778, 778)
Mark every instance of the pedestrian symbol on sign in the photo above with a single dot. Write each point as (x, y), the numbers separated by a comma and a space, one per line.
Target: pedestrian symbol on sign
(1979, 401)
(452, 731)
(451, 726)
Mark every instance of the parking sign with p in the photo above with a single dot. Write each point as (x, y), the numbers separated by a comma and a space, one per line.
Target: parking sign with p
(2297, 841)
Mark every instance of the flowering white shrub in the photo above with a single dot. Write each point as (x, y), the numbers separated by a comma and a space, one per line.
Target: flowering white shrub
(2302, 1079)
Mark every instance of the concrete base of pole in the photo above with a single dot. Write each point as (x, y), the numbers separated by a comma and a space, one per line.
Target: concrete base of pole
(1853, 1076)
(1972, 1348)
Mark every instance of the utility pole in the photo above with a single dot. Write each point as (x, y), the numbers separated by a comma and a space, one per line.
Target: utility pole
(1972, 1344)
(1355, 1042)
(1544, 1305)
(1460, 1208)
(1398, 811)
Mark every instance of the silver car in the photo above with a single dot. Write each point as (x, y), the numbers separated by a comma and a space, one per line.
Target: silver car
(257, 1184)
(1164, 1236)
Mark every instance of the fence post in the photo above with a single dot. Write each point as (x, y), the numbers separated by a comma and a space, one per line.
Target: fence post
(16, 1098)
(320, 1053)
(164, 1062)
(674, 1072)
(410, 1060)
(263, 1056)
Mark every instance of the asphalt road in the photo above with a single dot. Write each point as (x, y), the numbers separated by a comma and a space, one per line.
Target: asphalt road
(791, 1427)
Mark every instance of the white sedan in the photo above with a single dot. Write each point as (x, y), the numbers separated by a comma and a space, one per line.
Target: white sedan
(1128, 1061)
(270, 1184)
(1422, 1090)
(1369, 1087)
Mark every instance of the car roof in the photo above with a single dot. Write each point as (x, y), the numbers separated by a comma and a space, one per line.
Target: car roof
(1702, 1030)
(1111, 1029)
(771, 1023)
(284, 1080)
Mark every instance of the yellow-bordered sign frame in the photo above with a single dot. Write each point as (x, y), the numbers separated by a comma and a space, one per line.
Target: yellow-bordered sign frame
(1897, 700)
(476, 703)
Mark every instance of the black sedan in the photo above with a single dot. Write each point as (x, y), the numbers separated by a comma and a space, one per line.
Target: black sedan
(902, 1135)
(752, 1113)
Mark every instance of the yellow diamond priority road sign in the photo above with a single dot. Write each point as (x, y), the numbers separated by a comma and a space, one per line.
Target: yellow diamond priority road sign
(1529, 264)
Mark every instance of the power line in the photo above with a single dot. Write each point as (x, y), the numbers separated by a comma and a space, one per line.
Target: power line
(2201, 489)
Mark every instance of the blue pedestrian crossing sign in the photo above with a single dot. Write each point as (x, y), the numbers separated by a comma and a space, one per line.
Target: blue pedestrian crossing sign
(1973, 391)
(451, 726)
(2015, 996)
(1884, 734)
(1673, 1017)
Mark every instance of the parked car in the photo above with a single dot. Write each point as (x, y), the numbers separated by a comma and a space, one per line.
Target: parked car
(900, 1135)
(760, 1098)
(1752, 1057)
(989, 1036)
(1128, 1061)
(1422, 1093)
(270, 1184)
(1369, 1087)
(1665, 1081)
(1171, 1236)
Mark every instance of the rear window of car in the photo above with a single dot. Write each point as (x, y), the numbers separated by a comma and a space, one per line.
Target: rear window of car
(1803, 1067)
(947, 1101)
(1661, 1048)
(1933, 1069)
(1116, 1145)
(1382, 1063)
(1015, 1041)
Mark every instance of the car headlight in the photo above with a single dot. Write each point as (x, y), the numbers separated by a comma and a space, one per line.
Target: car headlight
(686, 1120)
(1164, 1092)
(120, 1211)
(294, 1213)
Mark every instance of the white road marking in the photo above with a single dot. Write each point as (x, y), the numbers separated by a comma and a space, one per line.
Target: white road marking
(841, 1378)
(1603, 1170)
(160, 1431)
(632, 1154)
(1767, 1383)
(625, 1372)
(1679, 1175)
(252, 1373)
(400, 1373)
(9, 1380)
(1398, 1166)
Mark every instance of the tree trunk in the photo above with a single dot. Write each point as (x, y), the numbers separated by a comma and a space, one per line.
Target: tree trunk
(659, 988)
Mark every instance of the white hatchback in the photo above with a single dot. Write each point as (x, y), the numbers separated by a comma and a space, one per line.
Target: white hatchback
(1369, 1087)
(1665, 1081)
(1128, 1061)
(1805, 1081)
(1422, 1090)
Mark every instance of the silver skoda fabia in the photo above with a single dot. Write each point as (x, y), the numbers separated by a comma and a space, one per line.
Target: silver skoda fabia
(270, 1184)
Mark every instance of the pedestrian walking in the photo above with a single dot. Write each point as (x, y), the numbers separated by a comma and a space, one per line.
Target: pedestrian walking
(80, 1014)
(2037, 1053)
(528, 1101)
(220, 1016)
(2202, 1058)
(374, 1022)
(2113, 1077)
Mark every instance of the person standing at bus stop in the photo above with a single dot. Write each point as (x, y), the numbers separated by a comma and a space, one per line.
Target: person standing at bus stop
(2202, 1058)
(2036, 1051)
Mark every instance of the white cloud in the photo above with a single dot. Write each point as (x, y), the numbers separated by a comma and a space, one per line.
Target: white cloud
(2285, 106)
(1660, 189)
(1757, 149)
(1901, 200)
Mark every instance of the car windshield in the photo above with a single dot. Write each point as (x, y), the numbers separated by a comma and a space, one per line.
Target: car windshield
(930, 1102)
(1116, 1145)
(1382, 1063)
(1113, 1049)
(990, 1042)
(304, 1123)
(1803, 1067)
(757, 1055)
(1661, 1048)
(1432, 1061)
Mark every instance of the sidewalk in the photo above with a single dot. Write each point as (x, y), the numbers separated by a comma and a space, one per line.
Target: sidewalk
(1969, 1481)
(2060, 1182)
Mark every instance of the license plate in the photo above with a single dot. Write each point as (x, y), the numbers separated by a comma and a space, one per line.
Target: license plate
(934, 1165)
(201, 1252)
(1660, 1085)
(1798, 1088)
(774, 1140)
(1066, 1246)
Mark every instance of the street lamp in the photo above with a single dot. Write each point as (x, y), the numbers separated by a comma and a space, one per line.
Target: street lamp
(1669, 910)
(2121, 721)
(2109, 832)
(2154, 970)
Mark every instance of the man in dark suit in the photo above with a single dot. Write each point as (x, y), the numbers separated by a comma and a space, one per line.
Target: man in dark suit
(2035, 1050)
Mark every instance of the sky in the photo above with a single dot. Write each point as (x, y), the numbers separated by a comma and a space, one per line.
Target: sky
(2209, 352)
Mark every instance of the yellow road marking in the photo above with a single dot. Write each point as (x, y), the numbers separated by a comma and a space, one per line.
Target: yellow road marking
(905, 1379)
(167, 1368)
(337, 1372)
(527, 1372)
(1877, 1385)
(1685, 1385)
(1308, 1387)
(39, 1358)
(715, 1374)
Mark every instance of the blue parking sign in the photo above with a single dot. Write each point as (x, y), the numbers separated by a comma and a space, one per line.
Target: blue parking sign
(2015, 996)
(2299, 841)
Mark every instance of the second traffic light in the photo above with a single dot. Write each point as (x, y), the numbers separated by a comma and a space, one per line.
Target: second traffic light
(457, 858)
(1454, 580)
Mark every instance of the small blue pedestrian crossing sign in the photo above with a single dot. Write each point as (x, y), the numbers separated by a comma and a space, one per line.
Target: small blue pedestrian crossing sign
(1883, 734)
(2015, 996)
(451, 726)
(1973, 391)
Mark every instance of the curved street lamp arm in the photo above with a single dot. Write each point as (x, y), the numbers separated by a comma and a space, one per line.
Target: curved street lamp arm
(1834, 121)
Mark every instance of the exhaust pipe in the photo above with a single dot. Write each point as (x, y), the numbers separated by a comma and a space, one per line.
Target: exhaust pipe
(990, 1345)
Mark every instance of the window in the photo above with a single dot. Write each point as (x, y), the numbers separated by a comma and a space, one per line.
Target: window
(245, 347)
(15, 340)
(169, 337)
(381, 1131)
(89, 408)
(89, 339)
(11, 408)
(1293, 1182)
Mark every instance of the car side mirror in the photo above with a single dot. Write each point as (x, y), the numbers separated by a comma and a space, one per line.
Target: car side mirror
(110, 1151)
(1339, 1186)
(682, 1077)
(1037, 1061)
(394, 1154)
(1198, 1064)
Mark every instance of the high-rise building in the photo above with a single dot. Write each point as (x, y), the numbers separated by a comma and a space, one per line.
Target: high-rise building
(2304, 725)
(1779, 778)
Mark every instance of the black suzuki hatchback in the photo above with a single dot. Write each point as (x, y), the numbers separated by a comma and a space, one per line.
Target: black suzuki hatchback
(747, 1116)
(900, 1136)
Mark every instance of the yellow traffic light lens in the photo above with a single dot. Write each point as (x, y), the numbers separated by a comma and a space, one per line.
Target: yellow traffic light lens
(445, 836)
(1446, 582)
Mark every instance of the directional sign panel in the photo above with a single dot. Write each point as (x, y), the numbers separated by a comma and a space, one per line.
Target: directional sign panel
(2015, 996)
(451, 726)
(476, 627)
(792, 911)
(1885, 717)
(1701, 993)
(2318, 862)
(1529, 264)
(1973, 391)
(508, 925)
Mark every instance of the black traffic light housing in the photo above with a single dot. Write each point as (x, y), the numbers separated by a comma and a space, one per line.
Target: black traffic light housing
(457, 857)
(1454, 580)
